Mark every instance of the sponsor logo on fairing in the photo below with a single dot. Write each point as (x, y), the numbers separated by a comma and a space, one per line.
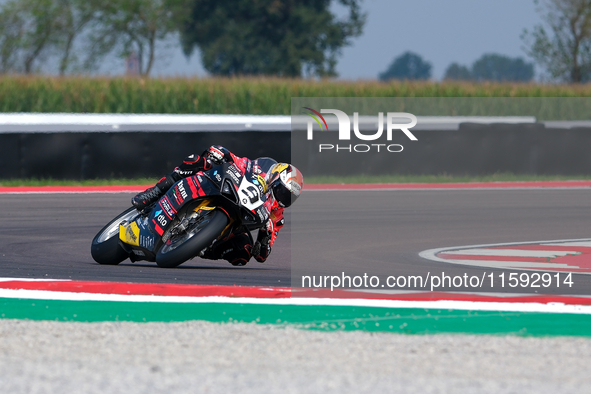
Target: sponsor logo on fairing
(180, 194)
(182, 190)
(142, 223)
(161, 218)
(130, 234)
(344, 123)
(217, 176)
(260, 183)
(146, 242)
(177, 197)
(233, 173)
(167, 208)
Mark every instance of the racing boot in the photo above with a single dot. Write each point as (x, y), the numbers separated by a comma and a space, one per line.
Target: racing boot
(153, 194)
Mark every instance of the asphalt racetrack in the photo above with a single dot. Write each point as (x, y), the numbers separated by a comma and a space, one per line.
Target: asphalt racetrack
(48, 235)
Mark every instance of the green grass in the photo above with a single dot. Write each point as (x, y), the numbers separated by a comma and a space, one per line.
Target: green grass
(89, 182)
(353, 179)
(268, 96)
(443, 178)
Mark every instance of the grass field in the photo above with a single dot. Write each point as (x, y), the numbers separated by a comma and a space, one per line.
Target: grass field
(500, 177)
(257, 96)
(356, 179)
(88, 182)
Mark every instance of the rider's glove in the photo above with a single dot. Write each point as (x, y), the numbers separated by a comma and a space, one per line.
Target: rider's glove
(217, 155)
(262, 247)
(260, 252)
(270, 227)
(192, 165)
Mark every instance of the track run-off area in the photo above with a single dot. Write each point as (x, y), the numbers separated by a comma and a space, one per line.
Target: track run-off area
(48, 273)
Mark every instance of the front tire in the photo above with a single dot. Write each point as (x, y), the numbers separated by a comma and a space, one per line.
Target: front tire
(105, 248)
(185, 246)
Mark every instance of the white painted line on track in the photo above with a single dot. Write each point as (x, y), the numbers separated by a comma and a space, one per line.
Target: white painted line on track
(579, 243)
(509, 264)
(33, 280)
(510, 252)
(432, 254)
(447, 305)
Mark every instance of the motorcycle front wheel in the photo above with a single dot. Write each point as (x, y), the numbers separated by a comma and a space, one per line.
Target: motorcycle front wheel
(105, 247)
(186, 245)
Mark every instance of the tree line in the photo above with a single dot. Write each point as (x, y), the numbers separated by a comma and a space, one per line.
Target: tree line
(489, 67)
(561, 46)
(236, 37)
(288, 38)
(78, 34)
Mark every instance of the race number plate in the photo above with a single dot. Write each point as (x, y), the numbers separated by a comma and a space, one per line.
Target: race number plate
(250, 194)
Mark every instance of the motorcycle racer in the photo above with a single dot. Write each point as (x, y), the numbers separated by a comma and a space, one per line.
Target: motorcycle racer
(284, 184)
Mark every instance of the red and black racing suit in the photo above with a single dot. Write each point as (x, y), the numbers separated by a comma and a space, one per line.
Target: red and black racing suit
(239, 247)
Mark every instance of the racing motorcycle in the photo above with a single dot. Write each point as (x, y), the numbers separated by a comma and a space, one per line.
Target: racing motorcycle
(188, 220)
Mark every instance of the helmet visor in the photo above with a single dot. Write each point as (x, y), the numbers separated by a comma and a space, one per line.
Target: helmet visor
(282, 195)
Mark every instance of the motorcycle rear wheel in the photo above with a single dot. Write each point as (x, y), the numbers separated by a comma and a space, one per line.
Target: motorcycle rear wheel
(105, 247)
(182, 247)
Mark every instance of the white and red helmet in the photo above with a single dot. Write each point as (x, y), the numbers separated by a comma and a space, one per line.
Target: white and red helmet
(286, 182)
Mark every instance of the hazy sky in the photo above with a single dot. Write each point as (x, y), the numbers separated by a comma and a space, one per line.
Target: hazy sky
(441, 31)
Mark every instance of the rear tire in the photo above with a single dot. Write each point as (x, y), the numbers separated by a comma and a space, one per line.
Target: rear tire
(105, 248)
(170, 257)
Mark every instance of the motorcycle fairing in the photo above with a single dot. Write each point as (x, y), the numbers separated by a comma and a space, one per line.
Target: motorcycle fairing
(248, 190)
(138, 235)
(244, 192)
(130, 234)
(184, 191)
